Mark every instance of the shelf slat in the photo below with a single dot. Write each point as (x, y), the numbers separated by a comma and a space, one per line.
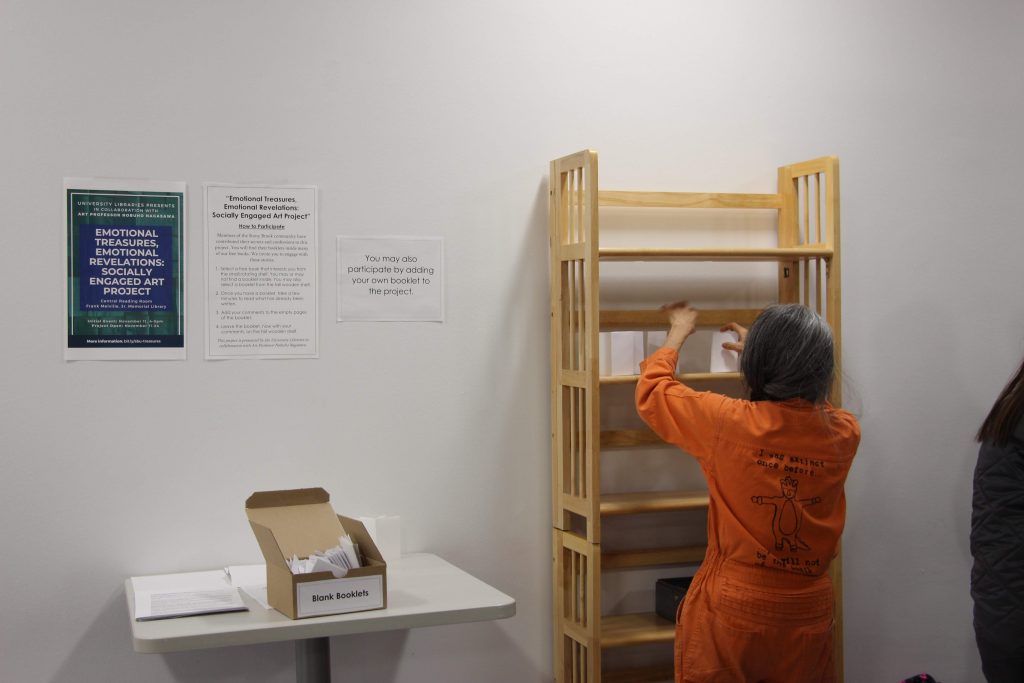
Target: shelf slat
(655, 319)
(709, 254)
(688, 200)
(635, 629)
(652, 501)
(648, 674)
(684, 378)
(657, 557)
(629, 438)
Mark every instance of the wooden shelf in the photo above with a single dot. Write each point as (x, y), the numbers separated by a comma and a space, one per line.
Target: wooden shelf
(652, 501)
(635, 629)
(655, 319)
(709, 254)
(805, 207)
(688, 200)
(658, 557)
(684, 378)
(629, 438)
(648, 674)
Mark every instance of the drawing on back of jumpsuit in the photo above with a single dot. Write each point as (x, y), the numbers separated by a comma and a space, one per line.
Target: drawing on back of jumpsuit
(787, 514)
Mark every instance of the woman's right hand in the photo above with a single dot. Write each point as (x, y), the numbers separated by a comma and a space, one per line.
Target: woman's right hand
(740, 331)
(682, 320)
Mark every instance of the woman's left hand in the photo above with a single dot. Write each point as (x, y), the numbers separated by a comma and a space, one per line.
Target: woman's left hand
(741, 333)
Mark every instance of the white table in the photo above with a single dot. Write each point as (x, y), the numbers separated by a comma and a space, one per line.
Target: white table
(423, 590)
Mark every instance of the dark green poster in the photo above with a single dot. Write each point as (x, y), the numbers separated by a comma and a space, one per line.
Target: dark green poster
(125, 261)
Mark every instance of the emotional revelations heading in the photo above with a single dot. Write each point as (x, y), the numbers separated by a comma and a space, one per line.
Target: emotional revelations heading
(126, 268)
(260, 208)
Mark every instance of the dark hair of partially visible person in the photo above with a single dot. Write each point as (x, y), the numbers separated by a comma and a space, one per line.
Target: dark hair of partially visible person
(788, 354)
(1006, 413)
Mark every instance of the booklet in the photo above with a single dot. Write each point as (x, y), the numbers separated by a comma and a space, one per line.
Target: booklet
(724, 360)
(181, 595)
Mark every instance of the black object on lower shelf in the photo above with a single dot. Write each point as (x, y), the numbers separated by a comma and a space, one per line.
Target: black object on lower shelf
(668, 593)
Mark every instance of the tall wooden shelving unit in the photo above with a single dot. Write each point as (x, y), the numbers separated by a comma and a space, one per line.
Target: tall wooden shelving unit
(807, 204)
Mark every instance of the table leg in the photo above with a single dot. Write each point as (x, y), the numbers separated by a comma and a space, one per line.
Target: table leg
(313, 660)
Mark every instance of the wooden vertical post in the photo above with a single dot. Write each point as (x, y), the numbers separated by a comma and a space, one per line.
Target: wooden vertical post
(833, 285)
(827, 193)
(789, 236)
(833, 309)
(575, 417)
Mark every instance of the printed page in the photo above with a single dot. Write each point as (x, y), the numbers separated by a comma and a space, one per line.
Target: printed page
(177, 595)
(261, 272)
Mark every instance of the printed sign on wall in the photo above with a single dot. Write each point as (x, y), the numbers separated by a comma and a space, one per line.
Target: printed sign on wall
(262, 249)
(125, 269)
(391, 278)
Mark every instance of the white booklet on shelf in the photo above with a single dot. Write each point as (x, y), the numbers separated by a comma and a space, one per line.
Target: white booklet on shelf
(724, 360)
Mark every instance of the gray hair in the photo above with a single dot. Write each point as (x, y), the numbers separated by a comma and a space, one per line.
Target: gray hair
(788, 354)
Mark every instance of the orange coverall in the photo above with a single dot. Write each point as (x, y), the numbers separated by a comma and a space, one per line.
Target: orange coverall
(760, 607)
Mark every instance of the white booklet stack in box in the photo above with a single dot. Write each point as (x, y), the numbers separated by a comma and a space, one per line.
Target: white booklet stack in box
(299, 528)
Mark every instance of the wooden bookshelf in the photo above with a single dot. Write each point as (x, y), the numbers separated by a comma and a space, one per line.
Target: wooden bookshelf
(806, 205)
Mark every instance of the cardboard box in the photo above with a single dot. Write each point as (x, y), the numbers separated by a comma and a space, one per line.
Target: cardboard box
(301, 522)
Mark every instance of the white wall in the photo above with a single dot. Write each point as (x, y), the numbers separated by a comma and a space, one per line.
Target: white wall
(440, 118)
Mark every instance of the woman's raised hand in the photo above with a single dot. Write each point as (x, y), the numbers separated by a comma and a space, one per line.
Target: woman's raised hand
(739, 330)
(682, 319)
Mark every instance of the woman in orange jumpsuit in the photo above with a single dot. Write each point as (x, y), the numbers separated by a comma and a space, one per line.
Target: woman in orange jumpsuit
(760, 609)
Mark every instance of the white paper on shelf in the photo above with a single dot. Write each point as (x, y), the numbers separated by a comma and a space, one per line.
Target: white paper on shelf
(724, 360)
(654, 340)
(627, 352)
(604, 353)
